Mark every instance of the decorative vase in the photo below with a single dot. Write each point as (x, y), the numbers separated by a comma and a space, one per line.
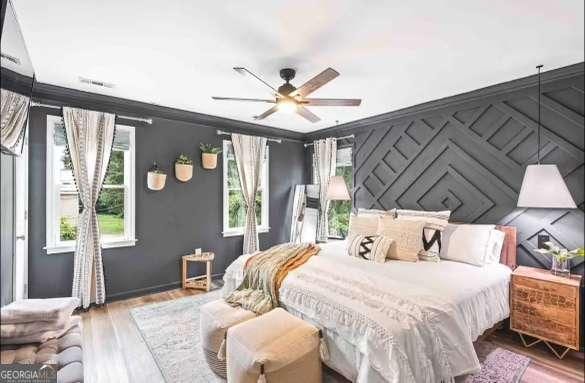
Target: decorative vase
(209, 160)
(156, 181)
(183, 172)
(561, 266)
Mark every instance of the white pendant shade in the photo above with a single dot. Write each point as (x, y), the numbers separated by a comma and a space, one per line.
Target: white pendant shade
(544, 187)
(337, 190)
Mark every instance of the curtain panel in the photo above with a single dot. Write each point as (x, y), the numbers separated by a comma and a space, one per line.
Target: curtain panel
(14, 113)
(324, 157)
(299, 204)
(90, 136)
(249, 152)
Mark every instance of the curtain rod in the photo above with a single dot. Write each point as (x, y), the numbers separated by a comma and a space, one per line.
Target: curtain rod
(221, 133)
(339, 138)
(146, 120)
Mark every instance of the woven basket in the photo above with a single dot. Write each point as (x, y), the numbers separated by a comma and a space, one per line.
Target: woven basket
(216, 365)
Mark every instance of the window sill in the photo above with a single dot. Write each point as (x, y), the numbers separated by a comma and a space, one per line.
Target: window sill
(235, 233)
(71, 248)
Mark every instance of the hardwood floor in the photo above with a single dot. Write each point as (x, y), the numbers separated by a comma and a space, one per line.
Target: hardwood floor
(115, 352)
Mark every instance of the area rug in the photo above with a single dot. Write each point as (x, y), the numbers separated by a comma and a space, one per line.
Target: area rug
(171, 331)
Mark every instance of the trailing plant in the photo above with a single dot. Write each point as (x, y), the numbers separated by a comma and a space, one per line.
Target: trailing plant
(156, 170)
(559, 253)
(183, 159)
(208, 148)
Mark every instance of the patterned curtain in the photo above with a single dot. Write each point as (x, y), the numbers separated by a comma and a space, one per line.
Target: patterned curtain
(249, 152)
(14, 111)
(299, 204)
(324, 157)
(90, 136)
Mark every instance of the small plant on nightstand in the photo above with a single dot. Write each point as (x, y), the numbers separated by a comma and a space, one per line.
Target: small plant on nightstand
(209, 155)
(560, 257)
(183, 168)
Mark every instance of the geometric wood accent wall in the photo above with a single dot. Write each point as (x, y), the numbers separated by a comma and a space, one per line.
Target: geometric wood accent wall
(471, 158)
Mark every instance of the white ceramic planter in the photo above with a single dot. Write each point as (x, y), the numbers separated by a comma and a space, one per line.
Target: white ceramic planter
(209, 160)
(183, 172)
(156, 181)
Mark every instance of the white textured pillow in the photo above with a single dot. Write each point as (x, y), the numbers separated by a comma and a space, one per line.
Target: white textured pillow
(494, 250)
(435, 222)
(467, 243)
(362, 225)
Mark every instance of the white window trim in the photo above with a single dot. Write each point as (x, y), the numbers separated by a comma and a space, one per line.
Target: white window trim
(53, 243)
(265, 227)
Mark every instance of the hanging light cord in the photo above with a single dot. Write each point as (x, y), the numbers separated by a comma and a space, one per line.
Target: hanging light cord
(539, 67)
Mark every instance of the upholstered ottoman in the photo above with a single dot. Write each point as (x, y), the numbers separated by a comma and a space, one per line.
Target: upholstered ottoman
(215, 318)
(275, 347)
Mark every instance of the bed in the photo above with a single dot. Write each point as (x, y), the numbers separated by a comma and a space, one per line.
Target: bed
(398, 321)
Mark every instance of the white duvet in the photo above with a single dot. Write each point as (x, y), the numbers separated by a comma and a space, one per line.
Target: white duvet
(394, 322)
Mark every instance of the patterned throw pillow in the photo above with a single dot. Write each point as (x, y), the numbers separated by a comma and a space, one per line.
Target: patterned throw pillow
(370, 247)
(407, 235)
(435, 223)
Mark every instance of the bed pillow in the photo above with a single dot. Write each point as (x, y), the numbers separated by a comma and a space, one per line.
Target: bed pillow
(467, 243)
(371, 247)
(435, 223)
(391, 212)
(495, 245)
(362, 225)
(406, 233)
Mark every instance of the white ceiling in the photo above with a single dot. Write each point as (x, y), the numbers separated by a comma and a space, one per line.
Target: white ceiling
(392, 54)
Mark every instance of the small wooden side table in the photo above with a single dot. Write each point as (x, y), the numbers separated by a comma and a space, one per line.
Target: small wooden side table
(202, 282)
(546, 307)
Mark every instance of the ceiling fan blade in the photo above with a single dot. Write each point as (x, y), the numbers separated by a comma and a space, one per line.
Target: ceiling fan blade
(315, 83)
(267, 113)
(332, 101)
(243, 99)
(244, 72)
(306, 113)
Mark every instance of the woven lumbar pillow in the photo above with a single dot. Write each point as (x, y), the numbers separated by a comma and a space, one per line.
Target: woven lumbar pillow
(406, 233)
(435, 223)
(371, 247)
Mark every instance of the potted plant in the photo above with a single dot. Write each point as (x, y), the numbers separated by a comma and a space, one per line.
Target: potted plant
(209, 155)
(183, 168)
(156, 178)
(561, 258)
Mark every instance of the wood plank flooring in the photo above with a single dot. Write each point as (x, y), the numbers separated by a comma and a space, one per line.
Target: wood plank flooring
(114, 350)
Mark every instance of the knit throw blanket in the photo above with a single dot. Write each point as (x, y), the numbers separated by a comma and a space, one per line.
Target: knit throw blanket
(264, 273)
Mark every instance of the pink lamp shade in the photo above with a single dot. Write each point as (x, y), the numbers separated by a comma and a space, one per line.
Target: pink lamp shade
(544, 187)
(337, 190)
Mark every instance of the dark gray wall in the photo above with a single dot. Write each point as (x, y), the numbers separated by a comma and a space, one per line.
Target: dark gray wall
(170, 222)
(468, 154)
(7, 232)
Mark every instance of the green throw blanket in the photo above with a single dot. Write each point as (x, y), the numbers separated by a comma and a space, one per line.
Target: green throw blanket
(263, 274)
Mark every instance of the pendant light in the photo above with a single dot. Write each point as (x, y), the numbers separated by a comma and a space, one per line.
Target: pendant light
(543, 185)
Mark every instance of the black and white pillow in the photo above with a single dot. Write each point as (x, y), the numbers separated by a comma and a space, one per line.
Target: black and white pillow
(370, 247)
(435, 223)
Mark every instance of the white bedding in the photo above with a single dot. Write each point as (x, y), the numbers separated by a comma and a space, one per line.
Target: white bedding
(394, 322)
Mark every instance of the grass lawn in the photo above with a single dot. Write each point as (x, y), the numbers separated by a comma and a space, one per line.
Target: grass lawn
(111, 224)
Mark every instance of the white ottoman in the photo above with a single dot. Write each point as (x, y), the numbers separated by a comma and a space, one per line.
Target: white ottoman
(215, 318)
(275, 347)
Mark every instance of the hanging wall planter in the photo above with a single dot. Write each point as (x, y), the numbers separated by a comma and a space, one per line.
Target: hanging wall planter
(156, 178)
(183, 168)
(209, 156)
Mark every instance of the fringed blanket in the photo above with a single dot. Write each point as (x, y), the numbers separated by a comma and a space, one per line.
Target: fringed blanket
(264, 273)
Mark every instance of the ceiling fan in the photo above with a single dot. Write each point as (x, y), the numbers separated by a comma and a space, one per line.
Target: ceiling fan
(288, 98)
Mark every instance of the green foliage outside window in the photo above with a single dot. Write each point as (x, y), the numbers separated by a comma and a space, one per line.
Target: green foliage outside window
(339, 211)
(237, 206)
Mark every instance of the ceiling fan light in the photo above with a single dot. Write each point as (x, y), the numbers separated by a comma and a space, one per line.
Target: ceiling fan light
(287, 106)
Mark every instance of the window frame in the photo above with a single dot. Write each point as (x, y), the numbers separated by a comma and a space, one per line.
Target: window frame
(54, 244)
(265, 208)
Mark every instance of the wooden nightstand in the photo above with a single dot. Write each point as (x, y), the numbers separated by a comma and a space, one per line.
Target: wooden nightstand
(546, 307)
(201, 281)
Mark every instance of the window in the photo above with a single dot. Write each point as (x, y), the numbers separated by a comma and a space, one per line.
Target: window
(234, 210)
(115, 205)
(339, 211)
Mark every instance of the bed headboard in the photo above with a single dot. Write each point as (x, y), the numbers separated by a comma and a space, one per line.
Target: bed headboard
(508, 256)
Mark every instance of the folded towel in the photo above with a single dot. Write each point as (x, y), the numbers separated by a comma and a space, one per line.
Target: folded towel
(18, 330)
(44, 336)
(35, 310)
